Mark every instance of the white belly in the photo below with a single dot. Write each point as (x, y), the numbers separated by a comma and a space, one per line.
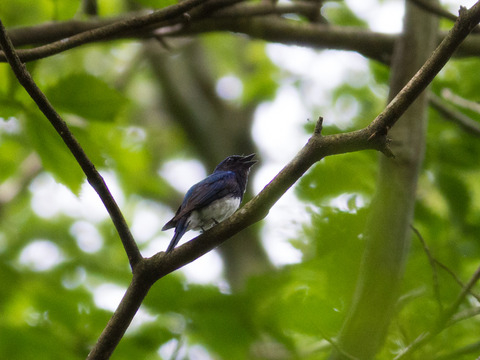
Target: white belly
(213, 214)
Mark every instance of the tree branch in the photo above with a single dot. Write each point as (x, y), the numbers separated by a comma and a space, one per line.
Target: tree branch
(108, 31)
(467, 20)
(456, 278)
(93, 176)
(438, 10)
(377, 46)
(434, 9)
(122, 317)
(467, 124)
(433, 265)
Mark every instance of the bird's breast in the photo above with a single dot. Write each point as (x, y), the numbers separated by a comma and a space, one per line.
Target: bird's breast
(214, 213)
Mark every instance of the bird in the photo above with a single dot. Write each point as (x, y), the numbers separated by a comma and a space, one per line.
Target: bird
(212, 200)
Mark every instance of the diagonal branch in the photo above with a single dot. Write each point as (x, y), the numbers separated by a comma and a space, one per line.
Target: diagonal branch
(469, 125)
(93, 176)
(433, 265)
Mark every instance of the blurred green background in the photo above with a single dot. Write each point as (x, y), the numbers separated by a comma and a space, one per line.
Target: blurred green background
(156, 119)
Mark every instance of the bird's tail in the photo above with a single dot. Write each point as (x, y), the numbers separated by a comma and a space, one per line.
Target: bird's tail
(180, 230)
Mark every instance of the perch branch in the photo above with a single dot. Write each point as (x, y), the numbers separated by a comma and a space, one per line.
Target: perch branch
(93, 176)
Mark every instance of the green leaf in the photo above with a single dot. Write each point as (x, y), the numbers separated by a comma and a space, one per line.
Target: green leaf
(333, 176)
(456, 194)
(86, 96)
(158, 4)
(56, 157)
(339, 13)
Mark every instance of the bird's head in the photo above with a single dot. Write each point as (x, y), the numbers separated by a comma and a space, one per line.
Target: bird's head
(236, 163)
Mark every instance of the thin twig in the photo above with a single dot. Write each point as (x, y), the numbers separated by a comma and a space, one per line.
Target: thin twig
(436, 9)
(449, 312)
(466, 123)
(456, 278)
(443, 321)
(93, 176)
(336, 346)
(466, 350)
(460, 101)
(431, 260)
(464, 315)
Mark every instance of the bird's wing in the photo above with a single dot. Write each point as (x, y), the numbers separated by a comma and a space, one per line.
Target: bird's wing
(213, 187)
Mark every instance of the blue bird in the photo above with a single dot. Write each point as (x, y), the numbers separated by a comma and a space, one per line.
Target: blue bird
(213, 199)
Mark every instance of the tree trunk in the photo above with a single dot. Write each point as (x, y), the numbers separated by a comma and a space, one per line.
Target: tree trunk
(388, 230)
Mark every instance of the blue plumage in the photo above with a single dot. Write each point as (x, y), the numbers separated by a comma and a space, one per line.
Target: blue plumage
(213, 199)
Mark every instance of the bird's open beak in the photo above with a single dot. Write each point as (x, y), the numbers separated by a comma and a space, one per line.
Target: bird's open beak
(247, 160)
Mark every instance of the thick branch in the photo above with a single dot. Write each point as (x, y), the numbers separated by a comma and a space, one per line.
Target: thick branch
(94, 178)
